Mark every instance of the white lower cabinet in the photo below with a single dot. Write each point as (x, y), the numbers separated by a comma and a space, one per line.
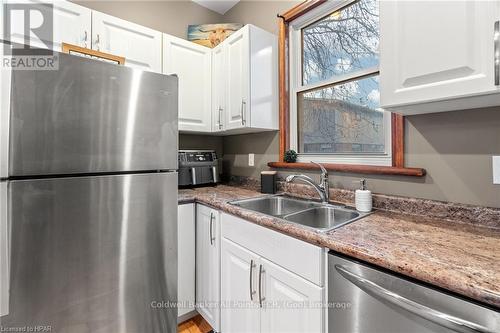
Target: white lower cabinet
(262, 290)
(186, 260)
(240, 311)
(290, 303)
(208, 264)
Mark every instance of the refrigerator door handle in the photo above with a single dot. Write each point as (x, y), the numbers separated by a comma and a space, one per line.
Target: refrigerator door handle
(387, 296)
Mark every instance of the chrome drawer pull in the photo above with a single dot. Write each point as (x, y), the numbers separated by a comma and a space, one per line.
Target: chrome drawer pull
(252, 292)
(261, 298)
(212, 238)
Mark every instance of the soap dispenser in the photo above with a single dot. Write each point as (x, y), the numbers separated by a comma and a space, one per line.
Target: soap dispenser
(363, 198)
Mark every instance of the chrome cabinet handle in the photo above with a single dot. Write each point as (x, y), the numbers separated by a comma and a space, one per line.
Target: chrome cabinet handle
(243, 109)
(252, 292)
(496, 41)
(261, 298)
(437, 317)
(220, 117)
(97, 42)
(85, 37)
(212, 238)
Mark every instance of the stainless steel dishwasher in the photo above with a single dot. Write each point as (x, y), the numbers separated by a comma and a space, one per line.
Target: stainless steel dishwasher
(364, 299)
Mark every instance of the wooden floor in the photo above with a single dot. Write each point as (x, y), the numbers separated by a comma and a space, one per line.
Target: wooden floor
(194, 325)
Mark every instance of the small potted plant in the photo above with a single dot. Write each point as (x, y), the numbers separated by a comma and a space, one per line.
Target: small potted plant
(290, 156)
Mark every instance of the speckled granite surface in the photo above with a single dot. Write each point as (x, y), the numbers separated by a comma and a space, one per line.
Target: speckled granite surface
(460, 257)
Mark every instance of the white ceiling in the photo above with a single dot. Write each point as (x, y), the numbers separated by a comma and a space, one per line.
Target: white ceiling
(219, 6)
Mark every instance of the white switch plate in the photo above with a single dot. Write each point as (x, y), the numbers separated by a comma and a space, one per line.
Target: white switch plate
(496, 170)
(251, 159)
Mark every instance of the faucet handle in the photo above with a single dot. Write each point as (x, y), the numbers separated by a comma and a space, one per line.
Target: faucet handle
(324, 172)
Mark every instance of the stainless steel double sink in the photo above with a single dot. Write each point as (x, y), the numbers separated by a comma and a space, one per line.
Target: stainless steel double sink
(312, 214)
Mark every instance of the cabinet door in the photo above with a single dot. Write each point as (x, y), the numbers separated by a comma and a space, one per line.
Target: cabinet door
(290, 303)
(208, 264)
(237, 64)
(219, 78)
(192, 63)
(71, 24)
(241, 312)
(140, 46)
(448, 54)
(186, 258)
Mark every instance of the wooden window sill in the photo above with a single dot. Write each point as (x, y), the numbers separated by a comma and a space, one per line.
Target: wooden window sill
(352, 168)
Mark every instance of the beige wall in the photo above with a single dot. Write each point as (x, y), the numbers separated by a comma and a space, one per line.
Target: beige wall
(259, 12)
(454, 147)
(168, 16)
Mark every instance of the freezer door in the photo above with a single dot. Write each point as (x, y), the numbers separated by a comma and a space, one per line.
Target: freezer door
(89, 116)
(94, 254)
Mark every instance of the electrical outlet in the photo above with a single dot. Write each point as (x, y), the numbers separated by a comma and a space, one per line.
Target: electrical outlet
(496, 170)
(251, 159)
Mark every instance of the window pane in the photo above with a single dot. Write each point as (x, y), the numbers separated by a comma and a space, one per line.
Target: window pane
(342, 42)
(345, 118)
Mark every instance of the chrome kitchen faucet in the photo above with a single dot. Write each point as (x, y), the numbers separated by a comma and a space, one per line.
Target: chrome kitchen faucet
(322, 188)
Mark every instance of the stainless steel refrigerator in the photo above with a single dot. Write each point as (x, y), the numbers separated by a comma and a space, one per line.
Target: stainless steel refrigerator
(88, 198)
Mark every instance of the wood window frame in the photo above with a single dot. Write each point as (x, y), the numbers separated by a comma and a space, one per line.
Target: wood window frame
(397, 121)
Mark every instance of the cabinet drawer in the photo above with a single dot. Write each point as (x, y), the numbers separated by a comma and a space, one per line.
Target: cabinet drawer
(304, 259)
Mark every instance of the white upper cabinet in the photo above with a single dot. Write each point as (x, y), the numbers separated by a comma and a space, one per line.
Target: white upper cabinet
(140, 46)
(219, 72)
(192, 63)
(438, 56)
(252, 80)
(71, 24)
(238, 63)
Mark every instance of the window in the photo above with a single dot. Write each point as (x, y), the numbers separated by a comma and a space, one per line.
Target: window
(334, 90)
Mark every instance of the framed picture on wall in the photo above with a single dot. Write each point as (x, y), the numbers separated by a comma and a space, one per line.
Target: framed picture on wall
(211, 35)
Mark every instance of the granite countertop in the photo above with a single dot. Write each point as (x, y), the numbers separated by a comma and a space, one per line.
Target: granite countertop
(459, 257)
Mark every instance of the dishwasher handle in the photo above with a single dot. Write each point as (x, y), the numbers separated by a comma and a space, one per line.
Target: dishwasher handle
(437, 317)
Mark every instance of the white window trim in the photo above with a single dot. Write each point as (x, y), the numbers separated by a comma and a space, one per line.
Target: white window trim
(296, 87)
